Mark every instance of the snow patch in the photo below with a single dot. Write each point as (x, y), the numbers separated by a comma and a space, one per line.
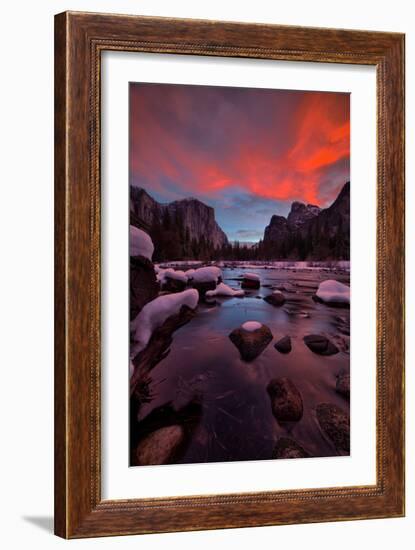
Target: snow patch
(178, 275)
(224, 290)
(251, 326)
(205, 274)
(333, 291)
(156, 312)
(140, 243)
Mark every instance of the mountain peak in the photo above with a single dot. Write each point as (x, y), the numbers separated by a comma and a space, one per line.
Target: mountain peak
(196, 217)
(310, 232)
(301, 213)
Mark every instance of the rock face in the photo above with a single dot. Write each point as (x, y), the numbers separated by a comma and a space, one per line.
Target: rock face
(283, 345)
(251, 343)
(320, 344)
(288, 448)
(335, 423)
(160, 446)
(311, 233)
(275, 299)
(286, 401)
(199, 219)
(195, 217)
(343, 384)
(301, 213)
(143, 284)
(276, 237)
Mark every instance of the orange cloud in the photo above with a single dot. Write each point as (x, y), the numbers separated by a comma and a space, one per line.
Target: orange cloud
(270, 143)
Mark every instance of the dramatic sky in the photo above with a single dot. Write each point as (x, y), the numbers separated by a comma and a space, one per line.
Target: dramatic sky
(247, 152)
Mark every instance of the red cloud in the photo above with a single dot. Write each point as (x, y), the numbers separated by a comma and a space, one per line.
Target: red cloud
(207, 146)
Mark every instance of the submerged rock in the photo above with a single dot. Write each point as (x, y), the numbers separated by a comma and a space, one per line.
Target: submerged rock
(320, 344)
(283, 345)
(286, 400)
(161, 446)
(251, 339)
(288, 448)
(335, 423)
(276, 298)
(343, 384)
(143, 284)
(250, 281)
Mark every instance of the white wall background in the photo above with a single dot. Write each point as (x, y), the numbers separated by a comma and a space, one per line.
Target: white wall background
(26, 269)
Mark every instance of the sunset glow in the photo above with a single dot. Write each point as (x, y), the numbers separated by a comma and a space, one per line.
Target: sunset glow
(236, 147)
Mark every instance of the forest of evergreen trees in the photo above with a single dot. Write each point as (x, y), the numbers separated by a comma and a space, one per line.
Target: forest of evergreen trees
(172, 241)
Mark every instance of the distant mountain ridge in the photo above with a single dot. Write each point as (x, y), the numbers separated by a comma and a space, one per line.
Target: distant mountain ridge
(187, 229)
(197, 218)
(180, 229)
(301, 213)
(310, 232)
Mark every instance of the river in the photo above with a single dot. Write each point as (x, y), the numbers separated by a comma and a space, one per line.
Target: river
(235, 421)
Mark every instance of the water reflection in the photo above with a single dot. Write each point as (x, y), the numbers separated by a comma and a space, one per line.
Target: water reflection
(204, 383)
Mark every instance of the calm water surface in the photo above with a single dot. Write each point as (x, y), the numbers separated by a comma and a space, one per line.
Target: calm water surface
(235, 421)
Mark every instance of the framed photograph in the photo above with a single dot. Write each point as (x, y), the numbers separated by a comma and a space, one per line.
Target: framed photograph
(229, 276)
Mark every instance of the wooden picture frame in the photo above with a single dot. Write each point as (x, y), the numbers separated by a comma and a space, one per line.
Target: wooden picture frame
(79, 40)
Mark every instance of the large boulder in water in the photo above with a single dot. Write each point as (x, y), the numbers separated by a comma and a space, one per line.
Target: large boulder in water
(320, 344)
(283, 345)
(205, 278)
(286, 400)
(288, 448)
(335, 423)
(343, 384)
(250, 281)
(276, 299)
(143, 284)
(161, 446)
(333, 293)
(251, 339)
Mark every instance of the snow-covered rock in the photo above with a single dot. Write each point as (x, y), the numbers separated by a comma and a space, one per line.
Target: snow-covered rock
(176, 275)
(170, 274)
(251, 281)
(205, 274)
(156, 312)
(140, 243)
(250, 326)
(224, 290)
(333, 292)
(173, 280)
